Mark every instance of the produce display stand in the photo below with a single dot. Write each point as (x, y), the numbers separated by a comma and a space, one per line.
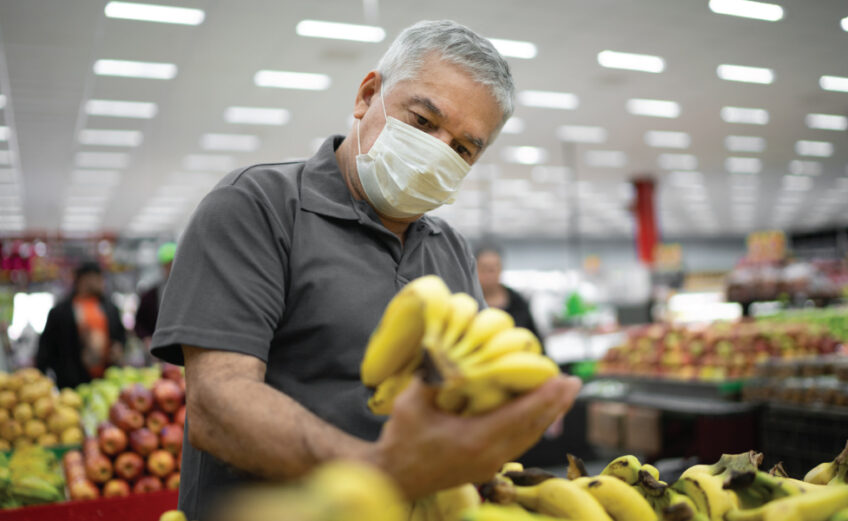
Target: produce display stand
(136, 507)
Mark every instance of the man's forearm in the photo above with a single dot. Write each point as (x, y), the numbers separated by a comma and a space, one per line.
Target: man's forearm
(256, 428)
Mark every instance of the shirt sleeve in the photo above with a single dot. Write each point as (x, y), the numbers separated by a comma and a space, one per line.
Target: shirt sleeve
(226, 289)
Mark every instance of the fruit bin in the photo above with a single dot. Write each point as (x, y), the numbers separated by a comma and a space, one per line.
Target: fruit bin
(136, 507)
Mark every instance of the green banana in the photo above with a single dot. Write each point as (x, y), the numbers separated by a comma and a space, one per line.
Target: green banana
(30, 490)
(842, 515)
(625, 468)
(817, 505)
(830, 472)
(707, 493)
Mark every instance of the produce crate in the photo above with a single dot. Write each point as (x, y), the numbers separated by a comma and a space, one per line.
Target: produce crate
(802, 436)
(137, 507)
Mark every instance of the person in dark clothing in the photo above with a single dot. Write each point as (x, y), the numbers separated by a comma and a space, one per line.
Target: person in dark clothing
(489, 266)
(148, 305)
(83, 334)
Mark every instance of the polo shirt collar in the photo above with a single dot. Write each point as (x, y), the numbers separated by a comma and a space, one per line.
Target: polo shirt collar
(324, 191)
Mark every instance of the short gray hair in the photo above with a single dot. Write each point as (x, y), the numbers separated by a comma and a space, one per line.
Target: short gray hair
(455, 43)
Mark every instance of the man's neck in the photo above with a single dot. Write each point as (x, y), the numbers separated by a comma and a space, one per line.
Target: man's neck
(346, 158)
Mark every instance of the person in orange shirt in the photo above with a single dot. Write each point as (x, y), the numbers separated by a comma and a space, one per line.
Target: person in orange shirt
(83, 334)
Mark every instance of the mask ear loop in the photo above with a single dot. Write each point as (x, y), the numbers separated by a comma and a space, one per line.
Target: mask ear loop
(359, 121)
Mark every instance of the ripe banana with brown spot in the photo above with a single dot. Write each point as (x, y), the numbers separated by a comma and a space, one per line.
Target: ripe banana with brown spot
(621, 501)
(626, 468)
(707, 493)
(559, 497)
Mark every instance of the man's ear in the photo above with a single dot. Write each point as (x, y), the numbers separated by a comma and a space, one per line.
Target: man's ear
(369, 87)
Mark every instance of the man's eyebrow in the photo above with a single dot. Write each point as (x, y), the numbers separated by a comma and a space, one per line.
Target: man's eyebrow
(429, 105)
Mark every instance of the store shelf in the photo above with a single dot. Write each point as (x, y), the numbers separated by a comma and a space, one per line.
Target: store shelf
(802, 435)
(137, 507)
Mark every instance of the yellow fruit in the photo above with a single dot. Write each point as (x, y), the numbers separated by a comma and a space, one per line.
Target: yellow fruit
(15, 382)
(5, 445)
(62, 419)
(29, 374)
(8, 399)
(22, 412)
(173, 515)
(4, 380)
(35, 428)
(48, 440)
(72, 436)
(22, 443)
(11, 430)
(4, 415)
(70, 399)
(43, 407)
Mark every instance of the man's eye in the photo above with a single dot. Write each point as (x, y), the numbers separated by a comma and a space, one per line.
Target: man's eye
(421, 120)
(461, 150)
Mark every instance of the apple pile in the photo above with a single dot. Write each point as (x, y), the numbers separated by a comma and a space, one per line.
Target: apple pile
(716, 352)
(33, 413)
(139, 448)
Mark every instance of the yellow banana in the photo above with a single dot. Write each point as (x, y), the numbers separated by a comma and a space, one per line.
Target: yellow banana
(462, 307)
(817, 505)
(484, 398)
(511, 466)
(436, 296)
(822, 473)
(421, 509)
(507, 341)
(451, 397)
(652, 470)
(707, 493)
(626, 468)
(518, 372)
(842, 515)
(559, 497)
(621, 501)
(383, 399)
(453, 502)
(484, 326)
(494, 512)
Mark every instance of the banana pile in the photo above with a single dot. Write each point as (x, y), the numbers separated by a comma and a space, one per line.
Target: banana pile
(31, 476)
(732, 489)
(479, 360)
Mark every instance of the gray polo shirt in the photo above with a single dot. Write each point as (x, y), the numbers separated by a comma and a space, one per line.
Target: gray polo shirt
(281, 263)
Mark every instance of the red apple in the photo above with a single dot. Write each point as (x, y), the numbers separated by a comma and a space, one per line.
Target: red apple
(103, 426)
(179, 416)
(140, 398)
(112, 440)
(171, 372)
(160, 463)
(129, 466)
(143, 442)
(156, 420)
(116, 488)
(168, 395)
(173, 481)
(171, 439)
(124, 397)
(83, 489)
(98, 468)
(147, 484)
(125, 418)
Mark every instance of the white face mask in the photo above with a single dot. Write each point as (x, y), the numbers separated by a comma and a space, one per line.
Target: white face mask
(408, 172)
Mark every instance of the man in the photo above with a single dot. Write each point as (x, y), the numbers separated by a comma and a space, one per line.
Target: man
(83, 334)
(148, 305)
(489, 267)
(285, 270)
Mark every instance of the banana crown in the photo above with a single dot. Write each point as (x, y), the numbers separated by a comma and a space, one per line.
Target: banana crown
(477, 358)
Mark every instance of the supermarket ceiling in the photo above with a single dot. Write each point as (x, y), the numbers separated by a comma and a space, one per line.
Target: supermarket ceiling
(552, 171)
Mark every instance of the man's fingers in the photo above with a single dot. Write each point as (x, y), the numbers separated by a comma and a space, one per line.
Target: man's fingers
(544, 404)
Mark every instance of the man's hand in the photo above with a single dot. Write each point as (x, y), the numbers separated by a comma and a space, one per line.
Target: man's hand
(426, 449)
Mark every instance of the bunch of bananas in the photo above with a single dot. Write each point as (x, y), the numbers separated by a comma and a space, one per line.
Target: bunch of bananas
(31, 476)
(479, 360)
(732, 489)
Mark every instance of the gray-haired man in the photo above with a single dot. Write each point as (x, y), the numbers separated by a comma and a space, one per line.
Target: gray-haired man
(285, 270)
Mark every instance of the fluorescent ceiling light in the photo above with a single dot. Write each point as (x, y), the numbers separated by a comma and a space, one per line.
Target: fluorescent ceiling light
(667, 139)
(340, 31)
(233, 142)
(582, 134)
(513, 125)
(117, 138)
(291, 80)
(845, 24)
(134, 69)
(835, 83)
(743, 165)
(814, 148)
(514, 48)
(102, 160)
(96, 177)
(653, 107)
(525, 155)
(827, 121)
(256, 115)
(4, 133)
(744, 143)
(686, 178)
(121, 109)
(797, 167)
(631, 61)
(745, 74)
(605, 158)
(154, 13)
(210, 162)
(2, 101)
(677, 161)
(747, 9)
(745, 115)
(548, 99)
(794, 183)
